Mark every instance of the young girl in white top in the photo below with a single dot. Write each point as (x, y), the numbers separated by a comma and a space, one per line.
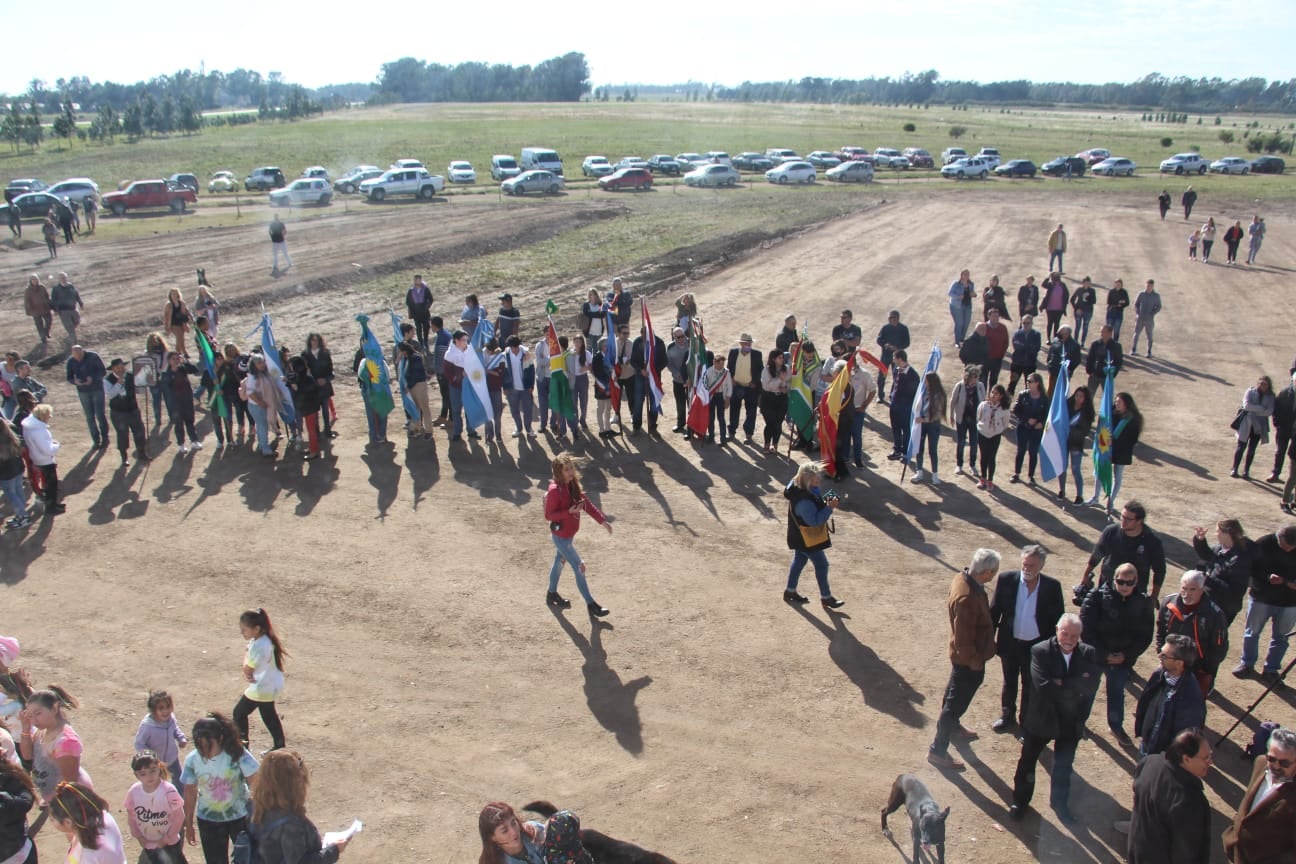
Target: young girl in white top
(263, 670)
(155, 811)
(992, 422)
(83, 816)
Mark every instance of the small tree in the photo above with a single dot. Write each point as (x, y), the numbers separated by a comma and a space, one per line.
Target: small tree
(1167, 142)
(909, 127)
(1226, 136)
(957, 132)
(33, 131)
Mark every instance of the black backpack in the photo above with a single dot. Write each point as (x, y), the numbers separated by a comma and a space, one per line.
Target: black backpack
(246, 849)
(1260, 740)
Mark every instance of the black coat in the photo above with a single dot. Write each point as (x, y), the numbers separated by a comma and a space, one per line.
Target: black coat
(1270, 559)
(1049, 607)
(1060, 710)
(1170, 822)
(1069, 350)
(975, 350)
(1184, 708)
(321, 367)
(1118, 625)
(1100, 354)
(1228, 573)
(659, 355)
(1205, 625)
(15, 802)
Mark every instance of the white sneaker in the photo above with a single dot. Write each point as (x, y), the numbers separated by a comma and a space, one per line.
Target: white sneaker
(515, 434)
(184, 449)
(958, 469)
(935, 479)
(918, 476)
(197, 445)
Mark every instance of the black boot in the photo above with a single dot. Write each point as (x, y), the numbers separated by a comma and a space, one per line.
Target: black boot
(794, 597)
(553, 598)
(597, 611)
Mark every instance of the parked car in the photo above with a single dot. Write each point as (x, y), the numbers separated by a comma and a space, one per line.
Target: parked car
(542, 159)
(303, 190)
(317, 171)
(596, 166)
(1230, 165)
(188, 181)
(1058, 167)
(664, 163)
(22, 187)
(822, 159)
(1268, 165)
(538, 180)
(949, 154)
(1185, 163)
(918, 157)
(1094, 155)
(791, 171)
(78, 189)
(504, 166)
(719, 157)
(689, 161)
(889, 157)
(265, 178)
(640, 179)
(403, 181)
(751, 161)
(631, 162)
(779, 155)
(149, 193)
(1016, 168)
(223, 181)
(349, 183)
(969, 166)
(1115, 166)
(406, 163)
(713, 175)
(461, 172)
(851, 172)
(991, 156)
(34, 205)
(851, 153)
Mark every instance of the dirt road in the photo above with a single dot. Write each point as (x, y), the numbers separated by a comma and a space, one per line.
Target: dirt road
(704, 716)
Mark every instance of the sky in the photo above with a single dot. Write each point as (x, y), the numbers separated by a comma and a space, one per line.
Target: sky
(1092, 41)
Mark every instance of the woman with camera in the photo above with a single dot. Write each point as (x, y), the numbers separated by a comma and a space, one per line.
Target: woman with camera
(809, 512)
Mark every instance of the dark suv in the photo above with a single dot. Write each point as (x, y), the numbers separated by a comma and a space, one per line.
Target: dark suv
(265, 178)
(187, 181)
(1058, 166)
(664, 164)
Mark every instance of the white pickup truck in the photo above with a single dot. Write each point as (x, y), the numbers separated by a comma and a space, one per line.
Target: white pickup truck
(403, 181)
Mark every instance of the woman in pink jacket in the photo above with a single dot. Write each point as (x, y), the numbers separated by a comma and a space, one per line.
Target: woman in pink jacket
(563, 504)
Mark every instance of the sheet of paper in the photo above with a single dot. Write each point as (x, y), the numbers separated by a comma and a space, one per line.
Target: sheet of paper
(332, 838)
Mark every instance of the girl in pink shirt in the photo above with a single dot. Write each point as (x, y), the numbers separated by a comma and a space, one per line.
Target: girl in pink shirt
(155, 811)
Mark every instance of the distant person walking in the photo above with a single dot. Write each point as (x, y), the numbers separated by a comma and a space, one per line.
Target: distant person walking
(1232, 240)
(1188, 200)
(279, 244)
(1163, 201)
(1057, 244)
(1208, 238)
(50, 230)
(1257, 232)
(36, 303)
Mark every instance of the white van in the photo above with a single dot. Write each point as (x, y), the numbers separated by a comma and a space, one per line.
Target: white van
(543, 158)
(504, 166)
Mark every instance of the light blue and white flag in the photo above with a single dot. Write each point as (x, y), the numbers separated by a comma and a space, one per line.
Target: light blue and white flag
(915, 422)
(476, 398)
(1053, 449)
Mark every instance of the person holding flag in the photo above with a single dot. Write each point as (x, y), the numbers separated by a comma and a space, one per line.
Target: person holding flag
(718, 386)
(806, 371)
(836, 414)
(560, 400)
(1057, 429)
(452, 363)
(478, 409)
(648, 357)
(931, 408)
(374, 380)
(699, 411)
(904, 387)
(913, 429)
(1126, 426)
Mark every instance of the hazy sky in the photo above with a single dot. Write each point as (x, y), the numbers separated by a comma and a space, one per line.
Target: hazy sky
(759, 40)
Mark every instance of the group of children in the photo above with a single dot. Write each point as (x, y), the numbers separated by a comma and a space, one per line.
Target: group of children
(202, 797)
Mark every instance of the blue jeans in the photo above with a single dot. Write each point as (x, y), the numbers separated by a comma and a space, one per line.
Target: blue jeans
(1257, 615)
(966, 432)
(262, 422)
(857, 436)
(1114, 320)
(820, 561)
(92, 405)
(1082, 320)
(13, 490)
(566, 551)
(520, 408)
(1077, 461)
(1058, 257)
(962, 316)
(580, 395)
(931, 437)
(1117, 678)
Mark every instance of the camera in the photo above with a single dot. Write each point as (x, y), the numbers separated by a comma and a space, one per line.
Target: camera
(1079, 592)
(831, 495)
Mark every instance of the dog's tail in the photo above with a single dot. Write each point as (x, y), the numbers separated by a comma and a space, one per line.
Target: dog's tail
(544, 808)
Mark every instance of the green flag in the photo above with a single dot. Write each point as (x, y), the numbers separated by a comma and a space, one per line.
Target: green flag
(801, 399)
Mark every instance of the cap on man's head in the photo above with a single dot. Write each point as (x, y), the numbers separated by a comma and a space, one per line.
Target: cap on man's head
(508, 297)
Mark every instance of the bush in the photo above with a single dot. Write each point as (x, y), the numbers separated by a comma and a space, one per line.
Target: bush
(909, 127)
(957, 132)
(1255, 145)
(1194, 148)
(1226, 136)
(1167, 142)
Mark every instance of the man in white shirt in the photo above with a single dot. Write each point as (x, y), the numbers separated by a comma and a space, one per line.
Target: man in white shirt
(1025, 608)
(519, 375)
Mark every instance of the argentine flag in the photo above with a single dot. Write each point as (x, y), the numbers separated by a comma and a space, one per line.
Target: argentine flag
(915, 427)
(476, 398)
(1053, 449)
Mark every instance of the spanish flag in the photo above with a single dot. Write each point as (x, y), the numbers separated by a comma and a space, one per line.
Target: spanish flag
(829, 408)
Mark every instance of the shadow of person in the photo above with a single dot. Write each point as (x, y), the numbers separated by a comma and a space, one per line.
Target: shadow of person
(175, 482)
(18, 549)
(1155, 456)
(320, 477)
(882, 688)
(260, 484)
(611, 702)
(79, 475)
(747, 480)
(424, 469)
(384, 474)
(224, 466)
(114, 494)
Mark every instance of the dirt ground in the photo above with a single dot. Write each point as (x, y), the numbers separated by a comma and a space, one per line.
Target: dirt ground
(428, 677)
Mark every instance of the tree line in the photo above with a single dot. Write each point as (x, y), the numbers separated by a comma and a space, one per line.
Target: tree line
(1151, 91)
(560, 79)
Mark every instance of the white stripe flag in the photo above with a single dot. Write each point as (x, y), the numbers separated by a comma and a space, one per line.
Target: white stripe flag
(1053, 449)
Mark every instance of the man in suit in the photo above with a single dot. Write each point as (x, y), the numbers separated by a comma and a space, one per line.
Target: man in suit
(745, 370)
(1064, 680)
(903, 390)
(1026, 607)
(640, 355)
(1172, 701)
(1264, 828)
(1170, 820)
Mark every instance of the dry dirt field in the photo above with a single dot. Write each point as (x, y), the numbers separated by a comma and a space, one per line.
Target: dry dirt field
(705, 717)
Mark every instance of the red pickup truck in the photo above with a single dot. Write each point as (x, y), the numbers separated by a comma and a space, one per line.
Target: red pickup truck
(149, 193)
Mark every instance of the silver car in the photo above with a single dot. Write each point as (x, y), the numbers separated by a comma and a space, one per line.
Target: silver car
(538, 180)
(713, 175)
(304, 190)
(851, 172)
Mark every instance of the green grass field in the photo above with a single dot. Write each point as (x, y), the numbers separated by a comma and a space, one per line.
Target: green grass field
(439, 133)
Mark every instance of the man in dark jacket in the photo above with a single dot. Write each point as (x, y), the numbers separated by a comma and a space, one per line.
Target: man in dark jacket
(85, 371)
(1062, 349)
(639, 359)
(1188, 200)
(893, 337)
(418, 303)
(1170, 821)
(1129, 542)
(976, 348)
(745, 366)
(1284, 416)
(1025, 609)
(1104, 351)
(119, 388)
(1083, 300)
(787, 336)
(1064, 678)
(1172, 701)
(1193, 614)
(1118, 623)
(903, 390)
(997, 341)
(1272, 599)
(1117, 300)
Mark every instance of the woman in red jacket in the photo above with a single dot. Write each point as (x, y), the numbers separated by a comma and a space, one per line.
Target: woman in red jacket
(563, 504)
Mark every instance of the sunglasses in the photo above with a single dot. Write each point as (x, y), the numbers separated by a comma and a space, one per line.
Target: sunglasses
(1126, 581)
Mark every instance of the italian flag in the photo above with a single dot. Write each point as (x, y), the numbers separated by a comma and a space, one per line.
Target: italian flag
(560, 392)
(801, 403)
(699, 413)
(829, 408)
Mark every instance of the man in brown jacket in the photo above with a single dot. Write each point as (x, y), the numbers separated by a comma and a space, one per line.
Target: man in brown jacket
(36, 302)
(971, 645)
(1264, 828)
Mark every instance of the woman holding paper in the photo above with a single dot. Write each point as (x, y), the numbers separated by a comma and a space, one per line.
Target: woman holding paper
(283, 833)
